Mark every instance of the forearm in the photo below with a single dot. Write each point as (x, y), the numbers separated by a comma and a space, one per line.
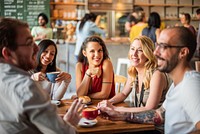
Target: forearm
(118, 98)
(61, 90)
(83, 87)
(149, 117)
(131, 109)
(99, 95)
(37, 38)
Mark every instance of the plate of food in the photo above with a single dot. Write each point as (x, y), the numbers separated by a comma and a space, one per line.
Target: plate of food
(87, 123)
(55, 102)
(85, 100)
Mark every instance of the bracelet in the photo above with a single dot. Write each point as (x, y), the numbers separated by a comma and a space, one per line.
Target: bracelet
(87, 74)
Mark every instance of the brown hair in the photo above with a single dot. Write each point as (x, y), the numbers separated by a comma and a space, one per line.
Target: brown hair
(8, 33)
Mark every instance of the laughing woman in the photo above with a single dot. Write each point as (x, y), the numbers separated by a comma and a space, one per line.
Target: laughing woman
(47, 63)
(94, 70)
(148, 84)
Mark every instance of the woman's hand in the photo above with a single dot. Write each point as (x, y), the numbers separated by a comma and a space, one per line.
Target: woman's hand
(105, 103)
(94, 72)
(63, 76)
(38, 76)
(111, 114)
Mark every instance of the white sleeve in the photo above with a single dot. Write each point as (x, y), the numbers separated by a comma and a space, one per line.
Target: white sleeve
(191, 94)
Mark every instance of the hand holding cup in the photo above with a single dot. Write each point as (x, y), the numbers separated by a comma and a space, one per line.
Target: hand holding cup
(51, 76)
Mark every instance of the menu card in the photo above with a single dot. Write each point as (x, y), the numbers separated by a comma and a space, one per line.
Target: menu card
(26, 10)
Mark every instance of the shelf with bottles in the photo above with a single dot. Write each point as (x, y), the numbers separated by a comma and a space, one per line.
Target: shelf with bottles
(68, 9)
(167, 5)
(68, 3)
(169, 10)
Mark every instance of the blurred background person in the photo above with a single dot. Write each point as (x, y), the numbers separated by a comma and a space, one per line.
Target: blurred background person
(94, 70)
(185, 19)
(46, 58)
(131, 18)
(136, 30)
(85, 28)
(42, 31)
(153, 29)
(131, 21)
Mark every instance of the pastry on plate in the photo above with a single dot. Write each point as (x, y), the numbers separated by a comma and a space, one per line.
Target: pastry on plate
(86, 99)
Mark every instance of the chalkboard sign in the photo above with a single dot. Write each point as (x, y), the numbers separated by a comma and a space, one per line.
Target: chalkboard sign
(26, 10)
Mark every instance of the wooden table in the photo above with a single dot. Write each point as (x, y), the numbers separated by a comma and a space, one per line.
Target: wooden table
(106, 126)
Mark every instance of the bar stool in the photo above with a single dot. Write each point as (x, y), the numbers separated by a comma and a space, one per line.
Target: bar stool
(121, 61)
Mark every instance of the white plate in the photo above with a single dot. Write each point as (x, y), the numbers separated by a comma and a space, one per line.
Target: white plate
(55, 102)
(87, 123)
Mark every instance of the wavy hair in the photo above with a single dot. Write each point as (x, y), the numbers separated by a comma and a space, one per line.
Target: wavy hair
(147, 46)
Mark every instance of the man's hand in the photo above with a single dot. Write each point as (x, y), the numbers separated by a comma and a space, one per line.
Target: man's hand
(73, 114)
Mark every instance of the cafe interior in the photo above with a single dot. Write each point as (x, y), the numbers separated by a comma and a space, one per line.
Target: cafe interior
(111, 16)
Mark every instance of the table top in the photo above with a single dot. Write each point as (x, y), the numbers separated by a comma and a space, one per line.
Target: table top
(106, 126)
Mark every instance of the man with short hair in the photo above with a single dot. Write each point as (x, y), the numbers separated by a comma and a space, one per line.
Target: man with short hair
(42, 31)
(180, 112)
(25, 107)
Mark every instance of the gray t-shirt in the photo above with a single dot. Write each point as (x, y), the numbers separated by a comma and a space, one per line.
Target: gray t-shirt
(25, 107)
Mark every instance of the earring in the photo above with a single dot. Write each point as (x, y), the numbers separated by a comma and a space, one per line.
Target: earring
(51, 63)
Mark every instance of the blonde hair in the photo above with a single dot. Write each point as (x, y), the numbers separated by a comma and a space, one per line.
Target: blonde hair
(151, 63)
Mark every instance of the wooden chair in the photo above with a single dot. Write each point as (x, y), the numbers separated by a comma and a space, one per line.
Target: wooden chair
(120, 81)
(197, 66)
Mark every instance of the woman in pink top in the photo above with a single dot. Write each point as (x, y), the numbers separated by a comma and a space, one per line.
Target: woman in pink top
(94, 70)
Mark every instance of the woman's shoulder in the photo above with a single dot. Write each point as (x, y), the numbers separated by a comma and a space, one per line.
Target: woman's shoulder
(79, 65)
(157, 73)
(107, 62)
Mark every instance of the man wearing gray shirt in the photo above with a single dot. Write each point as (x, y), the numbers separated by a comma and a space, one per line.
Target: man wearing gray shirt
(25, 107)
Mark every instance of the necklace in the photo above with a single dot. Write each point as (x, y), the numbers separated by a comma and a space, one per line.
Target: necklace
(138, 103)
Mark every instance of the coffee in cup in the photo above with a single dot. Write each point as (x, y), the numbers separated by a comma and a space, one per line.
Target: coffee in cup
(52, 76)
(90, 113)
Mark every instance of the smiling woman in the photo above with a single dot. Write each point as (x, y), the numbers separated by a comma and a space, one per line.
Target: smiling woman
(47, 63)
(94, 70)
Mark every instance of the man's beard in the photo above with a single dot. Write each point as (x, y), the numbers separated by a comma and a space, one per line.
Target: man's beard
(169, 65)
(42, 24)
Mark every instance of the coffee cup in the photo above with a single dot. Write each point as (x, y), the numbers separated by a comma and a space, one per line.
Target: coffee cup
(90, 113)
(52, 76)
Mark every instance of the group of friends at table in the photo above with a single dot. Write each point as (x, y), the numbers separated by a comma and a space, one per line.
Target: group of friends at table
(166, 88)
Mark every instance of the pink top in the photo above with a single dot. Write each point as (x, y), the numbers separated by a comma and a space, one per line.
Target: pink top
(96, 84)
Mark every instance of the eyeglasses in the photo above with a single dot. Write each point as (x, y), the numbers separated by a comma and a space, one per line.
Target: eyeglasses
(28, 44)
(164, 46)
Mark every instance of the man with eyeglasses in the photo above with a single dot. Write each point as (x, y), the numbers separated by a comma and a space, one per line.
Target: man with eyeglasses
(180, 112)
(25, 107)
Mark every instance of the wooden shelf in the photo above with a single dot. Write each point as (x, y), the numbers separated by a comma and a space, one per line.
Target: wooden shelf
(166, 5)
(56, 18)
(177, 19)
(71, 3)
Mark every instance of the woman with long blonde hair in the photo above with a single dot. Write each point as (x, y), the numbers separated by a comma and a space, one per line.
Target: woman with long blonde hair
(146, 84)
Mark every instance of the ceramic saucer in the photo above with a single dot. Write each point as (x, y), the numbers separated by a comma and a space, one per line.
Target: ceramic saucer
(87, 123)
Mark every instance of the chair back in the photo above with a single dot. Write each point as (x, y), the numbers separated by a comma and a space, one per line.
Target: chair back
(119, 82)
(197, 66)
